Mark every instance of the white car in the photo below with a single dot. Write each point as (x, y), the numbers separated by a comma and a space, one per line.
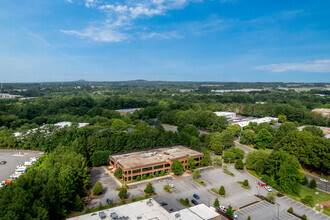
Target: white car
(224, 209)
(324, 180)
(235, 216)
(171, 185)
(268, 188)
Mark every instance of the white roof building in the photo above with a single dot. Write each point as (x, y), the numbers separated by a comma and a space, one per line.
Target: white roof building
(150, 209)
(226, 114)
(243, 123)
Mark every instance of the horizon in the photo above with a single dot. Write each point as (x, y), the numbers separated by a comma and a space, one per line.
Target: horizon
(157, 40)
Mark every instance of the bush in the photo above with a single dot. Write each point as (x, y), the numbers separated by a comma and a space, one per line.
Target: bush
(313, 184)
(150, 176)
(290, 210)
(156, 174)
(144, 177)
(138, 178)
(162, 173)
(216, 203)
(307, 200)
(167, 188)
(122, 193)
(239, 165)
(119, 173)
(304, 180)
(78, 204)
(249, 218)
(98, 188)
(230, 211)
(304, 217)
(184, 202)
(149, 189)
(222, 191)
(246, 183)
(271, 197)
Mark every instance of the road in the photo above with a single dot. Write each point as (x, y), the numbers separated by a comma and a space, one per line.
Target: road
(246, 149)
(320, 185)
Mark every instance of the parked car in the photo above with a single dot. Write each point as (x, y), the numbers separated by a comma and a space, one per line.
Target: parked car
(102, 215)
(196, 196)
(268, 188)
(235, 216)
(222, 208)
(324, 180)
(163, 203)
(171, 185)
(3, 162)
(261, 184)
(193, 201)
(109, 201)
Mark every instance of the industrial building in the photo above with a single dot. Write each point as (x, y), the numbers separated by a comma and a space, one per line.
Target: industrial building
(146, 162)
(226, 114)
(244, 121)
(150, 209)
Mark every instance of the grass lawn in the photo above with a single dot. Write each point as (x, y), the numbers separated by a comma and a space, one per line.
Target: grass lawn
(320, 197)
(199, 181)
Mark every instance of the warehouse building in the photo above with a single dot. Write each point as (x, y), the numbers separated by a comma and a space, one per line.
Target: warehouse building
(226, 114)
(146, 162)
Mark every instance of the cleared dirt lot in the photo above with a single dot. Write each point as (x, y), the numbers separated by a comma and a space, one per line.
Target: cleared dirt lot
(13, 160)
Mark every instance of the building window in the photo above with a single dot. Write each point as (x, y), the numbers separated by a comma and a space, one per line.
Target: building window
(167, 165)
(134, 177)
(137, 171)
(129, 178)
(158, 167)
(129, 172)
(196, 159)
(146, 169)
(185, 161)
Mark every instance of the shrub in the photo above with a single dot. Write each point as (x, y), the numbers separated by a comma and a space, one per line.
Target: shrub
(186, 201)
(138, 178)
(167, 188)
(246, 183)
(150, 176)
(98, 188)
(290, 210)
(304, 217)
(216, 203)
(313, 184)
(78, 204)
(249, 218)
(119, 173)
(230, 211)
(196, 173)
(162, 173)
(239, 165)
(144, 177)
(156, 174)
(149, 189)
(271, 197)
(304, 180)
(222, 191)
(122, 193)
(308, 200)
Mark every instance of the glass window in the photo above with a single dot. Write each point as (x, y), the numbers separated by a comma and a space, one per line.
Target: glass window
(146, 169)
(167, 165)
(137, 171)
(129, 172)
(158, 167)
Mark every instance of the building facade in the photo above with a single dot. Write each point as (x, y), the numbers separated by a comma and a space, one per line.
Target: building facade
(146, 162)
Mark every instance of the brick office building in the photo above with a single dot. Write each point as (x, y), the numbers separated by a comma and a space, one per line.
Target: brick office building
(138, 163)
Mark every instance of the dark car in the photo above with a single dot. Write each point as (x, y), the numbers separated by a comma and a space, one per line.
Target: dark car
(163, 203)
(196, 196)
(193, 201)
(3, 162)
(109, 201)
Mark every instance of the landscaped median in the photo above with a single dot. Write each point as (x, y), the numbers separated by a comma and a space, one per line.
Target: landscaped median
(167, 188)
(221, 192)
(185, 202)
(244, 184)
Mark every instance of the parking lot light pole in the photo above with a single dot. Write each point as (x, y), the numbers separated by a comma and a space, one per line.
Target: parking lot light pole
(278, 211)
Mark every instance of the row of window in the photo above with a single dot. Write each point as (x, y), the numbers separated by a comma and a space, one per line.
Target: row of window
(134, 177)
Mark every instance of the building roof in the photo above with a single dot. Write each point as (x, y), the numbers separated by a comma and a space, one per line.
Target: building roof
(153, 156)
(150, 209)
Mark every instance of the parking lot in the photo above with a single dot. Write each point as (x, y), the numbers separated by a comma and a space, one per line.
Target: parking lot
(236, 196)
(13, 159)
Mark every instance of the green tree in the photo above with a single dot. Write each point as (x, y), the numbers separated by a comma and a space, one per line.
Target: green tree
(290, 210)
(222, 191)
(313, 184)
(239, 165)
(304, 180)
(314, 130)
(122, 193)
(138, 178)
(98, 188)
(191, 130)
(304, 217)
(150, 175)
(308, 200)
(230, 211)
(144, 176)
(249, 218)
(266, 126)
(282, 118)
(232, 154)
(284, 130)
(177, 167)
(206, 160)
(156, 174)
(263, 139)
(162, 173)
(186, 201)
(100, 158)
(191, 163)
(196, 173)
(216, 203)
(271, 197)
(119, 173)
(246, 183)
(118, 124)
(247, 137)
(149, 189)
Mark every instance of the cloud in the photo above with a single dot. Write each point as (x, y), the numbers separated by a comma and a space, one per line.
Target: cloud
(318, 66)
(120, 17)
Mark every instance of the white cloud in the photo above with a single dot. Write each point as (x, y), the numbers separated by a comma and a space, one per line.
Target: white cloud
(120, 17)
(163, 35)
(318, 66)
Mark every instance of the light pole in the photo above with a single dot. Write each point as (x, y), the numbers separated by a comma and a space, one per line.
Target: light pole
(278, 211)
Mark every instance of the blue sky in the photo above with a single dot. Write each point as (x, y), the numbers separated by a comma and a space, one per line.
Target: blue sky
(175, 40)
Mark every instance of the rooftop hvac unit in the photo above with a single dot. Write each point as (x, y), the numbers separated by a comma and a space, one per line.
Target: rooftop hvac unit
(177, 215)
(173, 150)
(145, 155)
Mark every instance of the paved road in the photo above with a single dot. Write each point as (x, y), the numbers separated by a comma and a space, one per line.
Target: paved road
(320, 185)
(246, 149)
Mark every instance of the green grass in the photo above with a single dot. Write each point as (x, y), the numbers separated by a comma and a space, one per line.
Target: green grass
(253, 173)
(245, 187)
(320, 197)
(199, 181)
(217, 192)
(228, 172)
(183, 203)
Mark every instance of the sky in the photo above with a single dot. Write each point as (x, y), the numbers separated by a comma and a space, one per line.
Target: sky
(171, 40)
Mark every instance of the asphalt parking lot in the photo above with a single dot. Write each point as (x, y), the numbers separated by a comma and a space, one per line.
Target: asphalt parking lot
(13, 160)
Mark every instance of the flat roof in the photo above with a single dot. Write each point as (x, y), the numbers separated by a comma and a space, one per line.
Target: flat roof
(197, 212)
(153, 156)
